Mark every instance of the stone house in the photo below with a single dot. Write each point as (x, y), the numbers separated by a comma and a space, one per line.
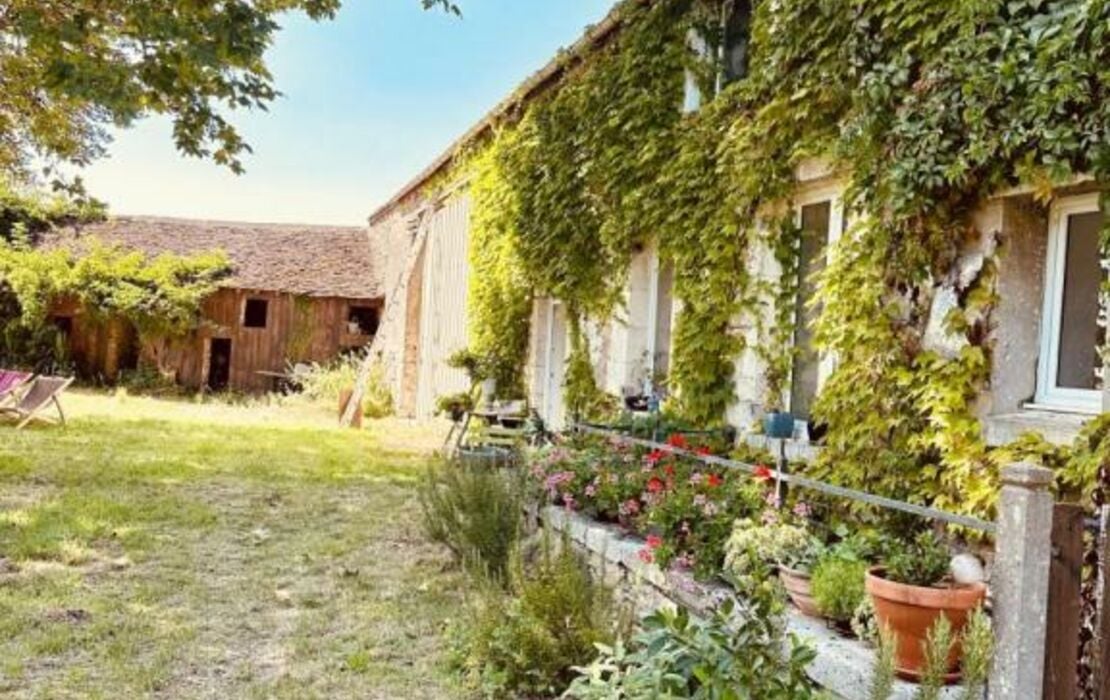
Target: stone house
(1046, 327)
(295, 294)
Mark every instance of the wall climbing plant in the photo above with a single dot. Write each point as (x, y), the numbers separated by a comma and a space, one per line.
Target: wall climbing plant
(925, 108)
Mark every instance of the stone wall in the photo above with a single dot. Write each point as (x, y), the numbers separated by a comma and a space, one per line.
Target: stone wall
(843, 666)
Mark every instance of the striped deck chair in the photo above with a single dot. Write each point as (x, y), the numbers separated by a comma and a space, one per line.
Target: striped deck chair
(42, 392)
(10, 384)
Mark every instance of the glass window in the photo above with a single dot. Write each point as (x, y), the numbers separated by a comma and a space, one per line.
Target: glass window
(805, 376)
(1078, 365)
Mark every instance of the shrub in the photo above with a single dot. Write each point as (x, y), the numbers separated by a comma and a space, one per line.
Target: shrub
(838, 587)
(922, 562)
(779, 543)
(475, 512)
(725, 656)
(525, 642)
(324, 382)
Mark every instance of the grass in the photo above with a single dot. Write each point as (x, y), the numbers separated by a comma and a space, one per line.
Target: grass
(182, 549)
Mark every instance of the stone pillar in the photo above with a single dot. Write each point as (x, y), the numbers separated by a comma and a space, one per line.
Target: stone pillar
(1020, 582)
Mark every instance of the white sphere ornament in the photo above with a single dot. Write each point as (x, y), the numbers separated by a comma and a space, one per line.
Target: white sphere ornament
(966, 568)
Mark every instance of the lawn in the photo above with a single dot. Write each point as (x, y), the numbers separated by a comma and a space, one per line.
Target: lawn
(180, 550)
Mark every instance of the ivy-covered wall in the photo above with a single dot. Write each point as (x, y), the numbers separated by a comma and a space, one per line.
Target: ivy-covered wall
(926, 110)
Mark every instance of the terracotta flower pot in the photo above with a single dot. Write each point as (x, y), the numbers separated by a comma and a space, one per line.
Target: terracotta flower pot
(911, 611)
(798, 588)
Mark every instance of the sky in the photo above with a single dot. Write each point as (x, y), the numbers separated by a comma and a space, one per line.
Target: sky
(370, 99)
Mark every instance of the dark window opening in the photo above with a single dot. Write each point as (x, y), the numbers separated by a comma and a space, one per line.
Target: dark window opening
(63, 324)
(254, 316)
(737, 21)
(363, 320)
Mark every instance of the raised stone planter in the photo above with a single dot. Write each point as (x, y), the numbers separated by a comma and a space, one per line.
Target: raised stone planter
(843, 666)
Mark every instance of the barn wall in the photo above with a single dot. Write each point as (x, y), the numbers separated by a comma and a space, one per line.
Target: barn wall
(308, 329)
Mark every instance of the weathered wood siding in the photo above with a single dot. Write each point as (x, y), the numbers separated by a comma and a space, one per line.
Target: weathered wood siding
(305, 329)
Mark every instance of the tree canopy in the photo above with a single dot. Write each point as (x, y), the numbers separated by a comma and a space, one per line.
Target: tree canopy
(71, 69)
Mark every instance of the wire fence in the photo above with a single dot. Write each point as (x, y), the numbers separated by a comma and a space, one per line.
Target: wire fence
(803, 482)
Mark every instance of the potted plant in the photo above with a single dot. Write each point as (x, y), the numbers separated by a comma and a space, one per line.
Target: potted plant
(911, 590)
(791, 549)
(455, 405)
(838, 589)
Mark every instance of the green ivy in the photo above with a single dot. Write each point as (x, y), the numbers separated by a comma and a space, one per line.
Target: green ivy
(926, 108)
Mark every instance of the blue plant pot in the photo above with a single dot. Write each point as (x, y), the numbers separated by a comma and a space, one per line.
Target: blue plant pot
(779, 425)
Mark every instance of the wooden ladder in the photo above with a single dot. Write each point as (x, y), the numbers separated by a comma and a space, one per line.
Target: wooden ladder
(420, 221)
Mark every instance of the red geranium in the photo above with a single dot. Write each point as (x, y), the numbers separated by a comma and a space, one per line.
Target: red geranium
(655, 484)
(762, 473)
(655, 455)
(715, 480)
(678, 440)
(704, 451)
(654, 541)
(669, 470)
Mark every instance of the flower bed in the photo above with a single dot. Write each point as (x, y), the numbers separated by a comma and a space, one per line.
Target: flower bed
(712, 522)
(684, 509)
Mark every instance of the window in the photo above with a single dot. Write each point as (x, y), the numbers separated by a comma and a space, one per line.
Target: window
(255, 312)
(1070, 371)
(737, 34)
(363, 320)
(821, 217)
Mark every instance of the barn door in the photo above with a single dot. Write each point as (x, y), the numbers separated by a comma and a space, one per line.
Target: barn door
(219, 364)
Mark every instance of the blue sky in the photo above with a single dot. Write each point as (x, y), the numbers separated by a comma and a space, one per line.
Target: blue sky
(370, 99)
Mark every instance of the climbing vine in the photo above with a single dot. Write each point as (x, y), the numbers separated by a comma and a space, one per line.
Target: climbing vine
(924, 108)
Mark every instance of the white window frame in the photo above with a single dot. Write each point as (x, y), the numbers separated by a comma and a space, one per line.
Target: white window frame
(833, 193)
(1049, 395)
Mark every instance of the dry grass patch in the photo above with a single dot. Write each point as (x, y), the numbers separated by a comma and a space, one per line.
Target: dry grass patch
(151, 552)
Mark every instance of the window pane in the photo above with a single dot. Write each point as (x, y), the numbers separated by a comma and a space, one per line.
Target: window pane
(815, 237)
(1080, 335)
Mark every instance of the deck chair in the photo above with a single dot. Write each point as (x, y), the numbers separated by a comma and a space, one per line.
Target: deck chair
(11, 383)
(41, 392)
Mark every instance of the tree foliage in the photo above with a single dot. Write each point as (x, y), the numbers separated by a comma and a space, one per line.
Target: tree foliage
(71, 69)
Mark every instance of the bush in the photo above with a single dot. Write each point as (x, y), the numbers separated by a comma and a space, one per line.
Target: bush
(838, 587)
(324, 382)
(476, 512)
(527, 641)
(745, 655)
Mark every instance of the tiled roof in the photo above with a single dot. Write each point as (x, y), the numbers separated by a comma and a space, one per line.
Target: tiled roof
(310, 260)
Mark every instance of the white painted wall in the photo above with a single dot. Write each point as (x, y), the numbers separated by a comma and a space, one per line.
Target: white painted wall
(443, 328)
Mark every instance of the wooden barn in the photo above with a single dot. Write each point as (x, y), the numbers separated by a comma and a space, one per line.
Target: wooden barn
(296, 294)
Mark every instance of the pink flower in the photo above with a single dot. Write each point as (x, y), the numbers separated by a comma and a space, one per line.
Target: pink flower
(646, 556)
(630, 507)
(710, 509)
(802, 509)
(700, 500)
(591, 490)
(654, 541)
(696, 478)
